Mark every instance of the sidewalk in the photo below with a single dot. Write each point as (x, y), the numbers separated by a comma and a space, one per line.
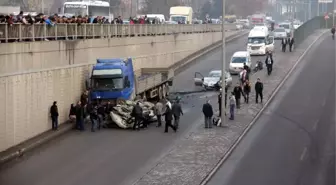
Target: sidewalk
(196, 155)
(21, 149)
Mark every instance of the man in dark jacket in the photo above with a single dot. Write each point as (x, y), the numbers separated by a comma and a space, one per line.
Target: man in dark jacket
(248, 70)
(269, 63)
(247, 90)
(168, 119)
(137, 114)
(238, 91)
(177, 112)
(94, 118)
(291, 43)
(80, 116)
(54, 116)
(259, 86)
(284, 44)
(208, 113)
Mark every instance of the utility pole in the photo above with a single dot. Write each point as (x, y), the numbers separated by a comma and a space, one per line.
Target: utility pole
(334, 13)
(223, 111)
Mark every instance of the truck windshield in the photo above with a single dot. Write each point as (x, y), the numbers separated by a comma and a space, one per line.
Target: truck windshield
(180, 19)
(108, 83)
(75, 9)
(256, 40)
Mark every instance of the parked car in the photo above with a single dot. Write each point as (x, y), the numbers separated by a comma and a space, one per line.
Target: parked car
(212, 80)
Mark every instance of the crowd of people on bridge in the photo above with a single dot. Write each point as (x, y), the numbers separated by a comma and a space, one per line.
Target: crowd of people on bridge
(64, 19)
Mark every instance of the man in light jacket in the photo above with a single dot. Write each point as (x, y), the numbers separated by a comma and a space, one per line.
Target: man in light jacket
(158, 112)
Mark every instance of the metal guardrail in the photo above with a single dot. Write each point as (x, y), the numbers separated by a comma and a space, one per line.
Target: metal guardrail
(22, 32)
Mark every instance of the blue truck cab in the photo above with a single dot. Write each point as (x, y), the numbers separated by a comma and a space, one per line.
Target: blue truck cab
(112, 79)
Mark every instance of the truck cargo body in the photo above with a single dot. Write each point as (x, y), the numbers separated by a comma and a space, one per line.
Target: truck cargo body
(181, 14)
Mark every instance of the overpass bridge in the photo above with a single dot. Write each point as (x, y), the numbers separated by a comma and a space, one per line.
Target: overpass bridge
(35, 72)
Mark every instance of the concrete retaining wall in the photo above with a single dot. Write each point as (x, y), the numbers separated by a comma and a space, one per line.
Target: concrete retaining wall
(60, 70)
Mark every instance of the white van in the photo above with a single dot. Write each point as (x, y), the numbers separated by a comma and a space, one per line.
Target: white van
(287, 26)
(259, 42)
(237, 61)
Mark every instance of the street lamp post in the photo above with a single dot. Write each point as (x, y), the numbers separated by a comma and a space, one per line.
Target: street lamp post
(334, 11)
(223, 111)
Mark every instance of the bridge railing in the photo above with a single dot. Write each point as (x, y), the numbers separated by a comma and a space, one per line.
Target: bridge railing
(22, 32)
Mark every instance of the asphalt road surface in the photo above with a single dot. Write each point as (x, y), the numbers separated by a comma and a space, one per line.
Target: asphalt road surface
(293, 142)
(112, 156)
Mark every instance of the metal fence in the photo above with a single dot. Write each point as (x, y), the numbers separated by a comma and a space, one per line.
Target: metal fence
(21, 32)
(310, 27)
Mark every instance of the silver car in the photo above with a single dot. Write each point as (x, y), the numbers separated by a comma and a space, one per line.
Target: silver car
(212, 81)
(280, 33)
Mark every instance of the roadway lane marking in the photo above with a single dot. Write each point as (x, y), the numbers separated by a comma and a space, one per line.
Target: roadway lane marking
(303, 155)
(315, 124)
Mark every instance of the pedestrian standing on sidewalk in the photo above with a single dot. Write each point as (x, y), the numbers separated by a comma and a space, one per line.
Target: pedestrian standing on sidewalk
(208, 113)
(247, 90)
(158, 109)
(177, 112)
(80, 116)
(232, 100)
(238, 91)
(54, 116)
(168, 119)
(259, 87)
(72, 113)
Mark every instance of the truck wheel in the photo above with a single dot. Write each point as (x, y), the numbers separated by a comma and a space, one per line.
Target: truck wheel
(160, 93)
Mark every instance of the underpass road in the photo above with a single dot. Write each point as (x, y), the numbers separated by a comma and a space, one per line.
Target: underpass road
(110, 156)
(293, 142)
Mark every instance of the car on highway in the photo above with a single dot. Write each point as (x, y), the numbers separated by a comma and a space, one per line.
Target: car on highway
(237, 61)
(212, 80)
(279, 33)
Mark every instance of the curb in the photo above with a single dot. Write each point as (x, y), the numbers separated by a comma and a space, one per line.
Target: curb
(247, 129)
(21, 149)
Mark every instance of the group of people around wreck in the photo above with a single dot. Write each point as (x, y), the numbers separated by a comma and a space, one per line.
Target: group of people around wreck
(98, 113)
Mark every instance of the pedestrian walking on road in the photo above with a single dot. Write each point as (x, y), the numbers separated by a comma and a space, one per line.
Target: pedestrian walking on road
(137, 114)
(259, 87)
(177, 112)
(233, 103)
(208, 113)
(247, 90)
(284, 44)
(168, 119)
(54, 116)
(158, 110)
(238, 91)
(269, 63)
(291, 43)
(80, 116)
